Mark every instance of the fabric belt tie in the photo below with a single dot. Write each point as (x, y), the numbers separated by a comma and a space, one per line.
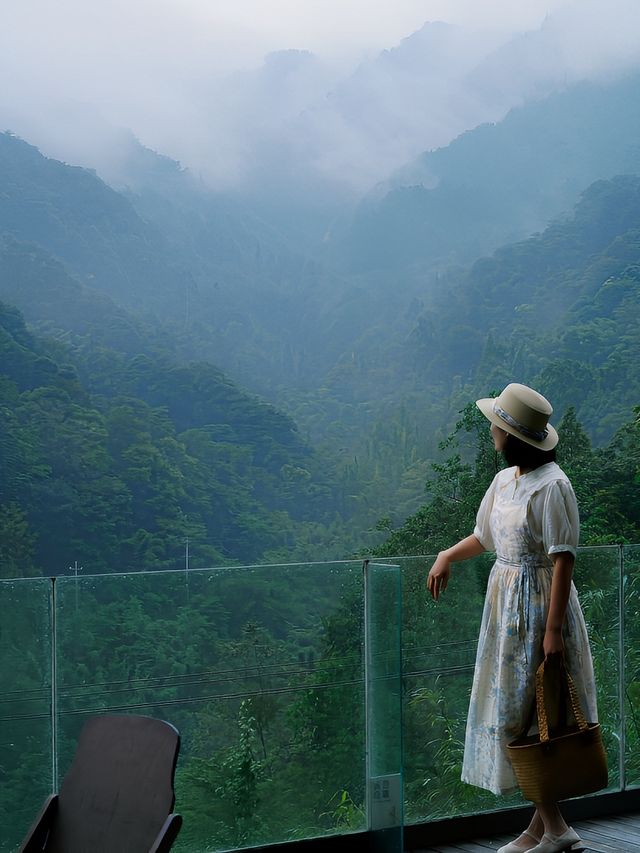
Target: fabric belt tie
(528, 580)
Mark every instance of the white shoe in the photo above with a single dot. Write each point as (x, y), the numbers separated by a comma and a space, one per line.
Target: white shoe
(512, 847)
(557, 843)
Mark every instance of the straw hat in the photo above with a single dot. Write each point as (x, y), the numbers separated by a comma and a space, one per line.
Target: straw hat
(522, 412)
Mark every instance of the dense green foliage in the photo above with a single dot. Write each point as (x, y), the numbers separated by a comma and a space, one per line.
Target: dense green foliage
(606, 482)
(261, 670)
(76, 217)
(119, 468)
(562, 303)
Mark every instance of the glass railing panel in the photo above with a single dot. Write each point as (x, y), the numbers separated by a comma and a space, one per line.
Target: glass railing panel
(439, 644)
(26, 738)
(261, 670)
(597, 578)
(631, 564)
(438, 650)
(384, 706)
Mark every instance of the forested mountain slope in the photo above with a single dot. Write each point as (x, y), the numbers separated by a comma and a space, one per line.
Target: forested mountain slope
(276, 323)
(76, 217)
(225, 284)
(116, 460)
(499, 182)
(44, 290)
(561, 310)
(119, 346)
(372, 373)
(180, 256)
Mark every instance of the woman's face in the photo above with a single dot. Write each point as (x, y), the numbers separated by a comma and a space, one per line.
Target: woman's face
(499, 437)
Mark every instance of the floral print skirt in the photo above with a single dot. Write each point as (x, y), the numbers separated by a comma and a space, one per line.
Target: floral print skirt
(509, 652)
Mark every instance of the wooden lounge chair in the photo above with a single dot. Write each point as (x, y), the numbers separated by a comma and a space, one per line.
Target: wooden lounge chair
(118, 795)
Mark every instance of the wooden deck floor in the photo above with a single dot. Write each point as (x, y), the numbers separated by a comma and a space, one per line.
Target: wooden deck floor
(620, 834)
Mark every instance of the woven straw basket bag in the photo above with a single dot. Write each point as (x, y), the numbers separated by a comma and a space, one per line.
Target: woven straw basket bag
(570, 763)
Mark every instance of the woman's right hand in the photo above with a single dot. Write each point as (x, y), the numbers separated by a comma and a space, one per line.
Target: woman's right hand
(439, 576)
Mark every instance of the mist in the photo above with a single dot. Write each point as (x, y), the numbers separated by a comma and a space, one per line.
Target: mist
(250, 102)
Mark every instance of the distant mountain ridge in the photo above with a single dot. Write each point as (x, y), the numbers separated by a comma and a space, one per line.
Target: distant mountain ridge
(298, 140)
(560, 310)
(169, 250)
(499, 182)
(76, 217)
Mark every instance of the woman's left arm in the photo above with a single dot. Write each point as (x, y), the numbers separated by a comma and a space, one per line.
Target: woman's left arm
(560, 589)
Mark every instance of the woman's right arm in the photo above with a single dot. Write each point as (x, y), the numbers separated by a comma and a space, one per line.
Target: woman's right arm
(441, 569)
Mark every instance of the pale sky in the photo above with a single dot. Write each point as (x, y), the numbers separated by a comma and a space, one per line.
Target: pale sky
(231, 33)
(348, 27)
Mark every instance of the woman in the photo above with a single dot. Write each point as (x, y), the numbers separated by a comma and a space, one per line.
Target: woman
(529, 517)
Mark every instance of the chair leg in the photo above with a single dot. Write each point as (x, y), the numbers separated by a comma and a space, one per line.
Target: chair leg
(36, 839)
(167, 834)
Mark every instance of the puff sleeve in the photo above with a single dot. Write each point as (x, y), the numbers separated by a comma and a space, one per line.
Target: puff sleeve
(560, 519)
(482, 530)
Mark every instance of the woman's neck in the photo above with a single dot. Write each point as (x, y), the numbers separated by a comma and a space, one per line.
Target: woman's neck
(520, 471)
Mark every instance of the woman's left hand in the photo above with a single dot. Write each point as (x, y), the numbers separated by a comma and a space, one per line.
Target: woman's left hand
(553, 643)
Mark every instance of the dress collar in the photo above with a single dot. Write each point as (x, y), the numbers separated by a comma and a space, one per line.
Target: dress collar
(538, 477)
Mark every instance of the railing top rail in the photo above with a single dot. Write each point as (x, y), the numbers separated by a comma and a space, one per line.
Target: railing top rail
(227, 567)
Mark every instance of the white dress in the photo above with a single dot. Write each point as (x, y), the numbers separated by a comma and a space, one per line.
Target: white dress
(523, 520)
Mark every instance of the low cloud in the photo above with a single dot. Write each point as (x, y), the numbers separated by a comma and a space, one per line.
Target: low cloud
(191, 82)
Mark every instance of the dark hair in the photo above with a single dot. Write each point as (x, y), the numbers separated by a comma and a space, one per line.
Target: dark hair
(518, 452)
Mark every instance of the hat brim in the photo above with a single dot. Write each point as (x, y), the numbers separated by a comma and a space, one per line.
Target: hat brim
(486, 407)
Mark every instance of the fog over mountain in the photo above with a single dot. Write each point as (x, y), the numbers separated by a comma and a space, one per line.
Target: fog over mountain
(298, 121)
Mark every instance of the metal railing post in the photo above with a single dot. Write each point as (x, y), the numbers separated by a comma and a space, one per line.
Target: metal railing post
(622, 768)
(54, 689)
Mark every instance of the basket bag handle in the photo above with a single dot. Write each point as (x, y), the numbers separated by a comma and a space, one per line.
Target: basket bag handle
(543, 723)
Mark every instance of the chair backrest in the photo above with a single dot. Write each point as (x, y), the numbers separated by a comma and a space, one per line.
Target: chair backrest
(119, 790)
